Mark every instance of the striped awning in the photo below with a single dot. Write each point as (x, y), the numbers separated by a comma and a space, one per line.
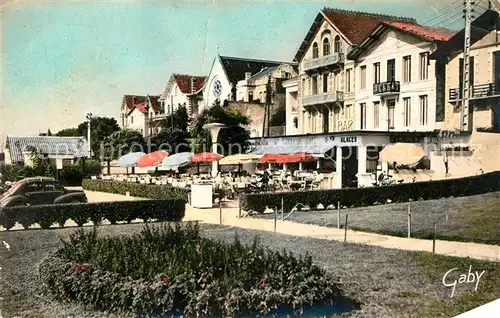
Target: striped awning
(47, 145)
(317, 150)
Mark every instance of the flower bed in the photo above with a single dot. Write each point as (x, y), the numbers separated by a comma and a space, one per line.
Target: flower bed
(167, 271)
(81, 213)
(355, 197)
(149, 191)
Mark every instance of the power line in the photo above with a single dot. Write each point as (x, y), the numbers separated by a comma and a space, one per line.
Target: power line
(443, 12)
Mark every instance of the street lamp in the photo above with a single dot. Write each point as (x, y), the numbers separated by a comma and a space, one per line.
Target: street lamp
(89, 118)
(214, 133)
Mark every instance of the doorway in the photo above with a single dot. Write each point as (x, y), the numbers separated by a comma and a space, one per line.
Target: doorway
(349, 166)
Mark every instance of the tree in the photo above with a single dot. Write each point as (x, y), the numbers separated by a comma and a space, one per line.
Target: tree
(120, 143)
(69, 132)
(233, 138)
(180, 119)
(49, 133)
(279, 117)
(100, 128)
(172, 140)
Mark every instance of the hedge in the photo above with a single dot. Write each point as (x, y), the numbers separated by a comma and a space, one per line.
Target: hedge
(148, 191)
(81, 213)
(165, 271)
(356, 197)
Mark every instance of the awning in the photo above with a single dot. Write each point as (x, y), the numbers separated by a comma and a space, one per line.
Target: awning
(315, 149)
(282, 158)
(239, 158)
(402, 153)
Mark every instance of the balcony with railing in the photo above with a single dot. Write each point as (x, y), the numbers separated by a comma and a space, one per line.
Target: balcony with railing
(386, 88)
(324, 98)
(481, 91)
(331, 60)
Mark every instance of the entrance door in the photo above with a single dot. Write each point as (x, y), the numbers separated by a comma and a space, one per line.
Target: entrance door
(349, 166)
(326, 119)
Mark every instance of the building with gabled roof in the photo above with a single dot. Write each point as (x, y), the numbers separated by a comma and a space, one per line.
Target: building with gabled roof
(225, 74)
(136, 112)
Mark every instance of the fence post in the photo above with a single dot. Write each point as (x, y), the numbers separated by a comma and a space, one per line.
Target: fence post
(434, 239)
(409, 220)
(338, 214)
(282, 210)
(275, 218)
(345, 229)
(220, 210)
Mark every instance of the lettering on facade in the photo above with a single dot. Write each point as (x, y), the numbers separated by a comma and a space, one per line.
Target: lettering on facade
(405, 138)
(344, 125)
(348, 139)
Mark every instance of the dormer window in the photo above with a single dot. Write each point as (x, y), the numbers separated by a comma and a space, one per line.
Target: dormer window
(336, 45)
(326, 47)
(315, 50)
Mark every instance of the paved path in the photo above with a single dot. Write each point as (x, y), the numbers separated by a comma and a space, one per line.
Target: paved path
(230, 218)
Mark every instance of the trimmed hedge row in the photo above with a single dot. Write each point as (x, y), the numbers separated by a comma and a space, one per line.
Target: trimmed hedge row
(355, 197)
(81, 213)
(166, 272)
(148, 191)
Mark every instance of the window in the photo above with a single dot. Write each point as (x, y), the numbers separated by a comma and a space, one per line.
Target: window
(348, 111)
(348, 80)
(424, 66)
(362, 76)
(376, 73)
(315, 50)
(336, 45)
(314, 85)
(250, 97)
(391, 105)
(325, 82)
(391, 70)
(407, 69)
(131, 119)
(363, 115)
(303, 87)
(407, 111)
(376, 112)
(326, 46)
(142, 131)
(423, 110)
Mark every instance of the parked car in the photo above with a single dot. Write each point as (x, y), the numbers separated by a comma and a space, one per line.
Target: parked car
(39, 190)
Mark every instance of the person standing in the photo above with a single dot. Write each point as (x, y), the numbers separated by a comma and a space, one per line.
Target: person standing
(445, 160)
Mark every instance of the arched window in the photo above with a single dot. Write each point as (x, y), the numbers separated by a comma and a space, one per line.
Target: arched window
(315, 50)
(336, 46)
(326, 46)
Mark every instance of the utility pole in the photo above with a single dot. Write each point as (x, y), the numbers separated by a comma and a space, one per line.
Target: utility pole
(172, 111)
(466, 85)
(89, 118)
(268, 103)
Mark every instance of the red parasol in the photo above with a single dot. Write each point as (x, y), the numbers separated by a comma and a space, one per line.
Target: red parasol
(152, 159)
(269, 158)
(203, 157)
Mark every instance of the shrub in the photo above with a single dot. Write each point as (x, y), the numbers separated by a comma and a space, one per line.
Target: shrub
(355, 197)
(81, 213)
(149, 191)
(167, 271)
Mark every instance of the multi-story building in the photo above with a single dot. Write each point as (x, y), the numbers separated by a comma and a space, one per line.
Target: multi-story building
(395, 83)
(137, 111)
(484, 80)
(222, 81)
(182, 90)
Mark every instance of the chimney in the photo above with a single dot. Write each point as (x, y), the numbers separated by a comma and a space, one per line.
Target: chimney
(193, 84)
(248, 75)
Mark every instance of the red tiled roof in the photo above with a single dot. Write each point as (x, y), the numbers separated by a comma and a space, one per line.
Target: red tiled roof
(429, 33)
(154, 102)
(131, 100)
(356, 25)
(184, 82)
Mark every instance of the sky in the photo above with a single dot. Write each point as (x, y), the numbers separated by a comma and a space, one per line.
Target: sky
(61, 60)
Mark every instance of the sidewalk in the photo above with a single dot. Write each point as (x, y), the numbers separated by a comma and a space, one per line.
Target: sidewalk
(450, 248)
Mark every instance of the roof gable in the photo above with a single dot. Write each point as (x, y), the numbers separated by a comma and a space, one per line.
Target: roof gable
(354, 26)
(425, 33)
(184, 82)
(236, 67)
(76, 146)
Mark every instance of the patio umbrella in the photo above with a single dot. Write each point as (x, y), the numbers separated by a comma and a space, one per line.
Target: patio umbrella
(177, 160)
(239, 158)
(204, 157)
(152, 159)
(129, 160)
(402, 153)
